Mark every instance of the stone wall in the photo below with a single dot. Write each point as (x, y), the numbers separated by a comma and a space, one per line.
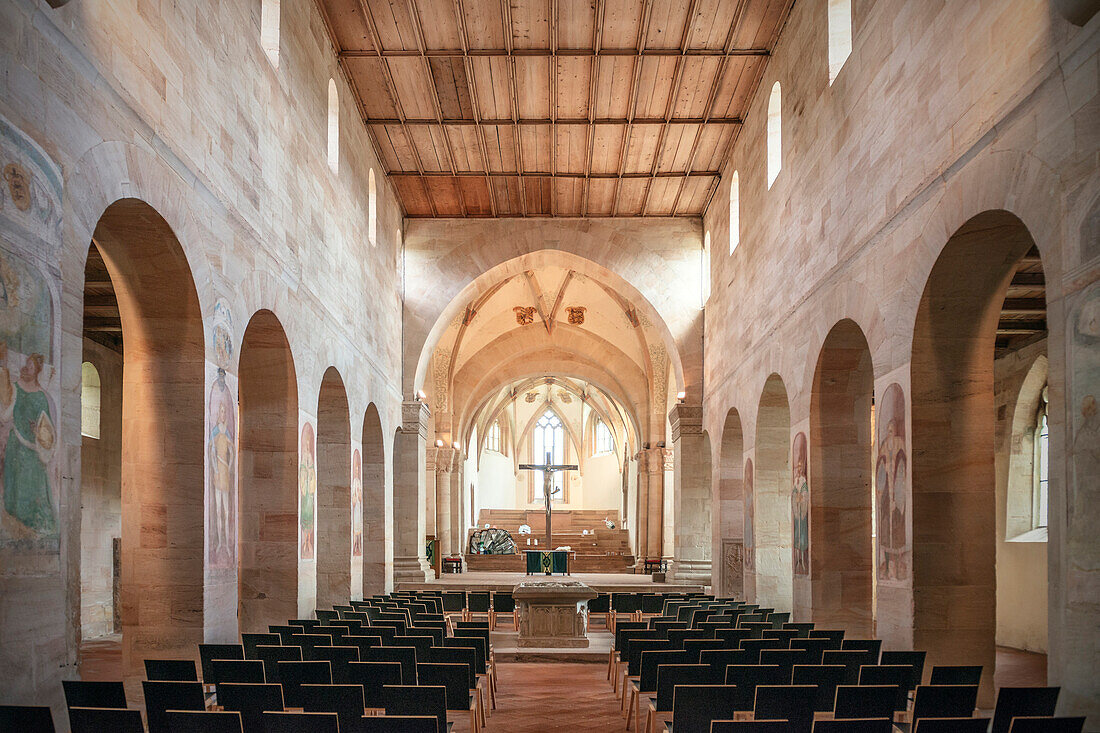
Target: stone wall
(177, 106)
(942, 112)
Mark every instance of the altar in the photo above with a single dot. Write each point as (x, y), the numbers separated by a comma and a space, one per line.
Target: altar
(553, 613)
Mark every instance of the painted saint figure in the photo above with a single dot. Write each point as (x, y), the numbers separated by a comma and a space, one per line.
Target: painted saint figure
(30, 447)
(307, 488)
(800, 509)
(223, 449)
(356, 505)
(891, 485)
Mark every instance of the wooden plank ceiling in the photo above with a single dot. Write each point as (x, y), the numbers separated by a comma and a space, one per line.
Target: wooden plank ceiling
(553, 107)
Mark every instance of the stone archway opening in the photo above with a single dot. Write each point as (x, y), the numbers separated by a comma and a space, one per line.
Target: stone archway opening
(729, 512)
(771, 498)
(333, 492)
(374, 504)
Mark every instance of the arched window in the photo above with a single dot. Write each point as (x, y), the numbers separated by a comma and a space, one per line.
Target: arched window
(269, 30)
(775, 133)
(704, 272)
(372, 209)
(735, 212)
(89, 400)
(492, 438)
(548, 442)
(605, 442)
(1041, 474)
(333, 127)
(840, 35)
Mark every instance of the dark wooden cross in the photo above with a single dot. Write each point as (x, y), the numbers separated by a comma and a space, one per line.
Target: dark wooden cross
(548, 470)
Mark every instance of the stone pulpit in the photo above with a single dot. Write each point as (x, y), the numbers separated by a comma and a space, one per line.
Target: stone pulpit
(553, 613)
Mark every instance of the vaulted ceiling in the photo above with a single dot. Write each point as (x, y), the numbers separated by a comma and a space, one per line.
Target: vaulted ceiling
(553, 107)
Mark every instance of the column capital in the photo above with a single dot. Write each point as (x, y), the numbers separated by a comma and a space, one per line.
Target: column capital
(414, 418)
(685, 420)
(445, 459)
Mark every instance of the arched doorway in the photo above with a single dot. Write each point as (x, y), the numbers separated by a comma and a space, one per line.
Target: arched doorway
(161, 456)
(771, 497)
(268, 573)
(374, 504)
(954, 475)
(840, 483)
(333, 492)
(728, 521)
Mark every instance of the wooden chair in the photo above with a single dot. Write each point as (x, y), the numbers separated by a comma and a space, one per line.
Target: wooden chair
(503, 603)
(397, 724)
(295, 674)
(29, 718)
(956, 675)
(744, 678)
(478, 602)
(855, 725)
(86, 694)
(338, 657)
(435, 633)
(294, 722)
(251, 641)
(614, 655)
(792, 703)
(758, 645)
(96, 720)
(403, 655)
(251, 701)
(455, 679)
(695, 707)
(272, 655)
(171, 670)
(825, 678)
(896, 675)
(803, 628)
(469, 657)
(485, 669)
(210, 652)
(633, 654)
(834, 636)
(951, 725)
(850, 659)
(872, 647)
(203, 721)
(668, 677)
(913, 659)
(647, 677)
(347, 701)
(161, 697)
(428, 700)
(809, 644)
(944, 701)
(733, 637)
(1034, 724)
(372, 677)
(284, 632)
(236, 670)
(1014, 702)
(865, 701)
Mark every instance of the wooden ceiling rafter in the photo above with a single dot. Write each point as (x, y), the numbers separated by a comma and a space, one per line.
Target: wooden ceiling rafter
(443, 84)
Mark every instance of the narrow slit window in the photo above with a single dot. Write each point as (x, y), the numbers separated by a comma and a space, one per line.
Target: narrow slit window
(89, 400)
(269, 30)
(372, 209)
(704, 272)
(735, 212)
(775, 133)
(333, 127)
(840, 35)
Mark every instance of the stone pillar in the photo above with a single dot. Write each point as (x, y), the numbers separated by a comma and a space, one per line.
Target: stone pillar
(641, 542)
(409, 480)
(658, 461)
(691, 500)
(458, 474)
(444, 464)
(428, 507)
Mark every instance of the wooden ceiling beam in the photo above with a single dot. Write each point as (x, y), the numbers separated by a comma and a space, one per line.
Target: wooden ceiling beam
(593, 85)
(538, 174)
(412, 122)
(1012, 328)
(509, 42)
(1024, 306)
(552, 53)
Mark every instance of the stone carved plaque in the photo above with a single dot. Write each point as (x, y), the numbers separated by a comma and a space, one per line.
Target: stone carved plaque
(733, 569)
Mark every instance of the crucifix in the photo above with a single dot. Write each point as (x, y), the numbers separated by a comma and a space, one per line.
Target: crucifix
(548, 470)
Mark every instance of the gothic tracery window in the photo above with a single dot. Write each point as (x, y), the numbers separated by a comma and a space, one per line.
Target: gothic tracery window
(548, 441)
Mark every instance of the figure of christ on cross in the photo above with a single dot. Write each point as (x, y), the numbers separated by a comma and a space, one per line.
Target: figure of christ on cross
(548, 470)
